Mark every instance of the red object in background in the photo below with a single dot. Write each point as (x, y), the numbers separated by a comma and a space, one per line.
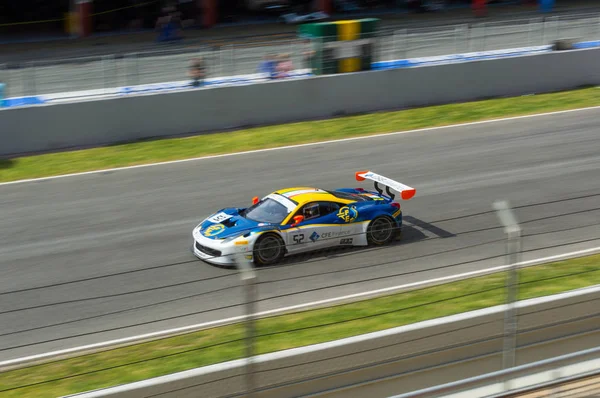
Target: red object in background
(325, 6)
(479, 7)
(209, 13)
(84, 9)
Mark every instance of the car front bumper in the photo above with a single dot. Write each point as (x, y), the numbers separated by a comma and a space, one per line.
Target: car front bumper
(216, 252)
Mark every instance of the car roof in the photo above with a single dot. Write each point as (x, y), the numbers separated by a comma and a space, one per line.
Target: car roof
(303, 195)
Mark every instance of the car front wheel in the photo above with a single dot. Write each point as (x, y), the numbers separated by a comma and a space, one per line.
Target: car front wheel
(268, 250)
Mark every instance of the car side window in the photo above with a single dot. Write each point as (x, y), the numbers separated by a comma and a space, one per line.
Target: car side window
(311, 211)
(317, 209)
(328, 208)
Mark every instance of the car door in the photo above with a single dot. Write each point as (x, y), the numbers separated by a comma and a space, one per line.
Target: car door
(320, 228)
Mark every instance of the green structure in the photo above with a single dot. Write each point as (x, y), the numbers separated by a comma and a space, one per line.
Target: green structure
(341, 46)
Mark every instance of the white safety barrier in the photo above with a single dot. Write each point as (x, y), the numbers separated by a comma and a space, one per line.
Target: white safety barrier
(402, 359)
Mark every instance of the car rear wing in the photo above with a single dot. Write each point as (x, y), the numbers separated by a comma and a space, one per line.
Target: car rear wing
(405, 191)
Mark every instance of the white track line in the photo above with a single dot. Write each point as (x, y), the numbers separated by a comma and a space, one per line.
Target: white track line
(205, 325)
(305, 145)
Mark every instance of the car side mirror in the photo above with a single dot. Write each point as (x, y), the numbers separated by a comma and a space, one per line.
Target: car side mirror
(255, 200)
(297, 220)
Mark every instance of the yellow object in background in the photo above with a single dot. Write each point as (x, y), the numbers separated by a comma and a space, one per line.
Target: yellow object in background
(71, 23)
(348, 30)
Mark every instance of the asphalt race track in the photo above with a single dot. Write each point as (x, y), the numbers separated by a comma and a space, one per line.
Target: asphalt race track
(90, 258)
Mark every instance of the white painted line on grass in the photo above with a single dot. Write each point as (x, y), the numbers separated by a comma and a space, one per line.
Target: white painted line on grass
(205, 325)
(304, 145)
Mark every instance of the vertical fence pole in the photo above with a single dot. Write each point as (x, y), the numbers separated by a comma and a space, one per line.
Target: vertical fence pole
(456, 35)
(221, 67)
(404, 44)
(530, 33)
(513, 248)
(484, 37)
(33, 82)
(233, 63)
(248, 276)
(470, 38)
(104, 72)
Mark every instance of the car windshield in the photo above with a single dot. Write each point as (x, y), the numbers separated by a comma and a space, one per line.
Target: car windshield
(268, 211)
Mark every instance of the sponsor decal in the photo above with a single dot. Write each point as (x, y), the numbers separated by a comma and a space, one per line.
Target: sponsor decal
(329, 235)
(314, 237)
(348, 213)
(214, 230)
(346, 241)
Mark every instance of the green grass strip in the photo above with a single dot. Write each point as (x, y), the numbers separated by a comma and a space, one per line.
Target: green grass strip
(169, 355)
(296, 133)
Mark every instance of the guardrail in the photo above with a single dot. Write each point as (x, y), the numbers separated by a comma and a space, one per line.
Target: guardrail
(403, 359)
(116, 70)
(533, 376)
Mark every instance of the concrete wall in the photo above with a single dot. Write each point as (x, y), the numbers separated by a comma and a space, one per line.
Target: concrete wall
(397, 360)
(107, 121)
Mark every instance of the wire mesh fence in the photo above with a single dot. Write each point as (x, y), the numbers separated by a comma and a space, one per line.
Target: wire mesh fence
(277, 332)
(117, 70)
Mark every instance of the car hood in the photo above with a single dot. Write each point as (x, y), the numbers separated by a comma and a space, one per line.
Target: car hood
(227, 223)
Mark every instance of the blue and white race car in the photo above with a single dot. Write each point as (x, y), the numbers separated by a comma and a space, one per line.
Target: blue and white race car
(302, 219)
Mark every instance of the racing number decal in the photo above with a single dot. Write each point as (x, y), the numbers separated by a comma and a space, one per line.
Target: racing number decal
(298, 238)
(220, 217)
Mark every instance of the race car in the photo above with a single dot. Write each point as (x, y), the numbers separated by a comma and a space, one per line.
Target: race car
(302, 219)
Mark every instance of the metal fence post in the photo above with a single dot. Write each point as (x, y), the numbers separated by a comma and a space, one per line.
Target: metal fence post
(248, 276)
(105, 72)
(32, 80)
(404, 44)
(513, 247)
(131, 69)
(221, 68)
(530, 32)
(457, 29)
(470, 38)
(232, 59)
(484, 36)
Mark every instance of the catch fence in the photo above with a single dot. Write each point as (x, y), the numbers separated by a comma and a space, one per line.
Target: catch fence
(154, 67)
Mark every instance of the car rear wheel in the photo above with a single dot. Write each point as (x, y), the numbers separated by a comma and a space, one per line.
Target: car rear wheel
(268, 250)
(381, 231)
